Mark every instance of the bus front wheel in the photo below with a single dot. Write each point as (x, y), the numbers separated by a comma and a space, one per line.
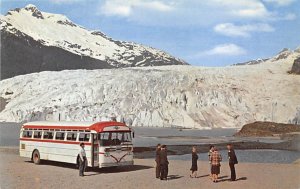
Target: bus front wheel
(36, 158)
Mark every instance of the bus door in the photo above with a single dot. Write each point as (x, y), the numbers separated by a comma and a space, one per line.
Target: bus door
(95, 150)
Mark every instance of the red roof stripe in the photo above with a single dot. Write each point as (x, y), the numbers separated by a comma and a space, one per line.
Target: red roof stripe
(98, 127)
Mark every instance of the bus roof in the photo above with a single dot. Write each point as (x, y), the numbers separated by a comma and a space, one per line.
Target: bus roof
(61, 123)
(68, 125)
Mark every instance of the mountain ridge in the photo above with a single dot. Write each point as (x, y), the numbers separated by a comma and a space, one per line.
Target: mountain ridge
(22, 29)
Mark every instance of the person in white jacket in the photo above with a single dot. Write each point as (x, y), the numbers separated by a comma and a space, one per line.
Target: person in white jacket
(82, 160)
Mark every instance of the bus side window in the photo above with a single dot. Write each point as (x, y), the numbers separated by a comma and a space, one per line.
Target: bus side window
(72, 136)
(37, 134)
(84, 137)
(48, 135)
(27, 134)
(60, 136)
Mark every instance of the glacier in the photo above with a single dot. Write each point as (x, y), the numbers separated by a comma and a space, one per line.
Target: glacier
(164, 96)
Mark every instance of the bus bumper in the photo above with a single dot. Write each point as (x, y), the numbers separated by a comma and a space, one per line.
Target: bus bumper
(125, 163)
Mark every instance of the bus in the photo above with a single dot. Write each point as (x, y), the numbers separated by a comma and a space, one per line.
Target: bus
(107, 144)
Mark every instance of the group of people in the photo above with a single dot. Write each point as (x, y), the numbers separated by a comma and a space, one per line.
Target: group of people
(214, 158)
(162, 162)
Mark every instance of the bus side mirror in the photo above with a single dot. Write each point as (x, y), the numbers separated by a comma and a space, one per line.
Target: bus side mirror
(132, 134)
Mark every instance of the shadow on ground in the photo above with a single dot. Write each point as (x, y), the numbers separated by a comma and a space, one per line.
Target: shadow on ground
(242, 178)
(202, 176)
(173, 177)
(94, 170)
(224, 178)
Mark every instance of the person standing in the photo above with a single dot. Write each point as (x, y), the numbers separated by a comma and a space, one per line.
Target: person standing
(194, 167)
(82, 159)
(163, 158)
(211, 149)
(157, 160)
(232, 161)
(215, 159)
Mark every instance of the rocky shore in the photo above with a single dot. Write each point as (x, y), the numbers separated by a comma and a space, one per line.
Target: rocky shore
(265, 129)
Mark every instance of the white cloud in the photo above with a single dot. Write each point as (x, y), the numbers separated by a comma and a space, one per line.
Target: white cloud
(280, 2)
(225, 49)
(232, 30)
(110, 9)
(127, 8)
(245, 8)
(183, 13)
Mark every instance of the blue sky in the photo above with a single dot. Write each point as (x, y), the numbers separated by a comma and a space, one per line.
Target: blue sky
(208, 33)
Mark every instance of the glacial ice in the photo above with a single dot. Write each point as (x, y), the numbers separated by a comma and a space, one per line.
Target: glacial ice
(167, 96)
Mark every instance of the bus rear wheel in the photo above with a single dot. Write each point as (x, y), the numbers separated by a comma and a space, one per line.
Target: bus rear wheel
(36, 158)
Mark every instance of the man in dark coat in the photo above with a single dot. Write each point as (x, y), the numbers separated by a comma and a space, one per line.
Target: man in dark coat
(163, 163)
(232, 161)
(157, 160)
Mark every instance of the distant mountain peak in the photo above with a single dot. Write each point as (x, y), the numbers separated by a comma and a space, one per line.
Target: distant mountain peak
(284, 50)
(283, 54)
(30, 6)
(297, 50)
(35, 11)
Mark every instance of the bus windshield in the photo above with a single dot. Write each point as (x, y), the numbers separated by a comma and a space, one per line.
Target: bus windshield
(114, 138)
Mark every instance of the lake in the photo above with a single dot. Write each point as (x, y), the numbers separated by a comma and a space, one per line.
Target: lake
(256, 156)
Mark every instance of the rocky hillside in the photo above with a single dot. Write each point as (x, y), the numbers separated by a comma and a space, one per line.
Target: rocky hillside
(263, 129)
(194, 97)
(34, 41)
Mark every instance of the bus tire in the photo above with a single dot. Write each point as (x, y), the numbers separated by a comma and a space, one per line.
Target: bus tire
(36, 158)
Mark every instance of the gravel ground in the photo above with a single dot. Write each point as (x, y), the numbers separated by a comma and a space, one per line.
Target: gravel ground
(17, 172)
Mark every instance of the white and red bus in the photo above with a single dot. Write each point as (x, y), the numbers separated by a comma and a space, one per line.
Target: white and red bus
(107, 144)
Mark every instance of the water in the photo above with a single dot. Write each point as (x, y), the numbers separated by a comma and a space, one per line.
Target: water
(9, 134)
(256, 156)
(146, 136)
(151, 136)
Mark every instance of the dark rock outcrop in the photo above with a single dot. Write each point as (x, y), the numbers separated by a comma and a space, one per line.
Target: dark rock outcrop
(2, 103)
(296, 66)
(263, 129)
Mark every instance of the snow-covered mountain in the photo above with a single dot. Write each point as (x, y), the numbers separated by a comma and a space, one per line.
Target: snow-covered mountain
(33, 41)
(159, 96)
(284, 53)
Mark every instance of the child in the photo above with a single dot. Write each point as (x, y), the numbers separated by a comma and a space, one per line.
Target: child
(194, 167)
